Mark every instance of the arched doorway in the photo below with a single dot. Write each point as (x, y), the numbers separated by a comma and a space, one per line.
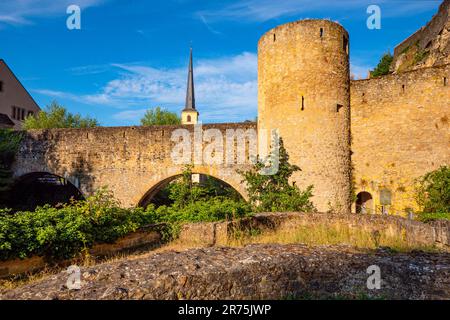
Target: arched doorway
(364, 202)
(40, 188)
(159, 194)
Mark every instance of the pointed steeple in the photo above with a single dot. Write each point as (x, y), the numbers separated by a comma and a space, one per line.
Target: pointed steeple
(190, 96)
(189, 115)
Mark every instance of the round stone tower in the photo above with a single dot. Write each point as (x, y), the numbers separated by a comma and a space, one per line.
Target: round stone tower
(304, 92)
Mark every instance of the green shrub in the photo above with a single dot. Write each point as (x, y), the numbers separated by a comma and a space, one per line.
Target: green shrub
(214, 209)
(433, 191)
(57, 116)
(61, 233)
(9, 144)
(159, 116)
(383, 66)
(429, 217)
(419, 56)
(272, 193)
(184, 191)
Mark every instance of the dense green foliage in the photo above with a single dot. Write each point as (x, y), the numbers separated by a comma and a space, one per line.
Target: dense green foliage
(193, 202)
(213, 209)
(56, 116)
(274, 193)
(61, 233)
(9, 144)
(428, 217)
(433, 193)
(383, 66)
(158, 116)
(184, 191)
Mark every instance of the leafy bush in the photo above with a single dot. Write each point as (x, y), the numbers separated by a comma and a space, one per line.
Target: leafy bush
(433, 191)
(61, 233)
(9, 144)
(272, 193)
(214, 209)
(184, 191)
(158, 116)
(420, 55)
(383, 66)
(56, 116)
(428, 217)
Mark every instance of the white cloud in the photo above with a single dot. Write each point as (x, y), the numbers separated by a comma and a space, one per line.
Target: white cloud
(91, 69)
(212, 30)
(130, 115)
(14, 12)
(225, 89)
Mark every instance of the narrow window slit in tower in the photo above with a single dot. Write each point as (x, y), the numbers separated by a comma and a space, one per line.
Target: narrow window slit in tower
(345, 44)
(321, 32)
(303, 103)
(403, 88)
(274, 37)
(338, 107)
(445, 81)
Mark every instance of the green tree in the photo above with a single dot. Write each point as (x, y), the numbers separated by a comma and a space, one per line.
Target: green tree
(383, 66)
(158, 116)
(274, 193)
(56, 116)
(433, 191)
(9, 145)
(184, 191)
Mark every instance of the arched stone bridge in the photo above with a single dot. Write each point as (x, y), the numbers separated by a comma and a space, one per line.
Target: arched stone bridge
(133, 162)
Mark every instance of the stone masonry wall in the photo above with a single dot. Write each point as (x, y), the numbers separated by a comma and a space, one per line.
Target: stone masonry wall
(400, 131)
(303, 91)
(130, 161)
(428, 46)
(412, 232)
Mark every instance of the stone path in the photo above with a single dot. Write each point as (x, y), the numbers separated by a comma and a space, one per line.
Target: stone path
(267, 271)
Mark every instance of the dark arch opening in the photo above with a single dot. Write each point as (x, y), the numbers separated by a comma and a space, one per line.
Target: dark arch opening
(159, 193)
(188, 118)
(364, 202)
(40, 188)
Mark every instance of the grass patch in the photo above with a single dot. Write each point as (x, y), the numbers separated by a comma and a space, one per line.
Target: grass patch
(327, 235)
(433, 216)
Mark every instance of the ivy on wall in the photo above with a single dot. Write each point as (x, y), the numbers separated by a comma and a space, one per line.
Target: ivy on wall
(9, 145)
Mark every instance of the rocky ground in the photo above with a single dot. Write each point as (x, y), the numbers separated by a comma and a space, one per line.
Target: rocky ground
(254, 272)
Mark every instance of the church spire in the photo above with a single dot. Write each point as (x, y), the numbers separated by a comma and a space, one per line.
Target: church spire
(190, 96)
(189, 115)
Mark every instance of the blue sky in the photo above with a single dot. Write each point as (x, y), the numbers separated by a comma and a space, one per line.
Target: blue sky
(132, 54)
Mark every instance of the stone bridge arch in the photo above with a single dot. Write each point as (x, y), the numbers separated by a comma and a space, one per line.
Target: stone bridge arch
(229, 178)
(129, 161)
(39, 188)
